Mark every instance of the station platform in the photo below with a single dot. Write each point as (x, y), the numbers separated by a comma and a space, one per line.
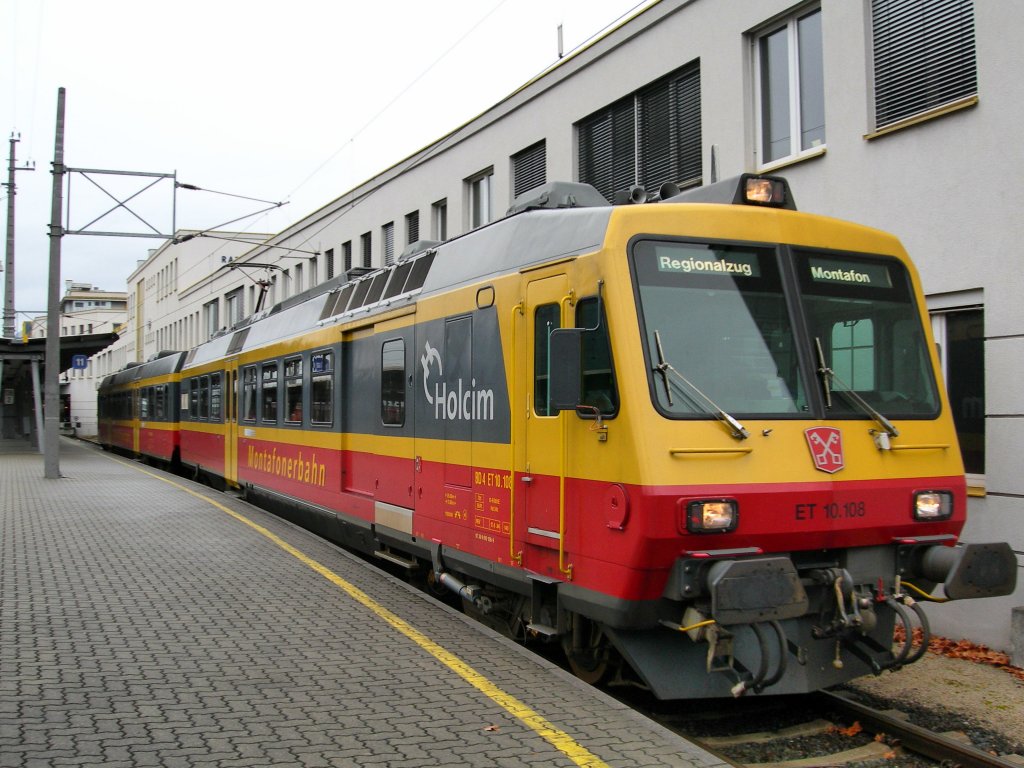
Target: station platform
(149, 621)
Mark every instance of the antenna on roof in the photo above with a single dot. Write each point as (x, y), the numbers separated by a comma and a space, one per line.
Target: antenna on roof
(560, 49)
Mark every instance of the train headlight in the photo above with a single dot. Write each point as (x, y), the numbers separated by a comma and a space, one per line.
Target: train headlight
(933, 505)
(712, 516)
(764, 190)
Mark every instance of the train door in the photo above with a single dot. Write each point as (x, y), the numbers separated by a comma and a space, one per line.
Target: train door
(395, 479)
(230, 385)
(540, 483)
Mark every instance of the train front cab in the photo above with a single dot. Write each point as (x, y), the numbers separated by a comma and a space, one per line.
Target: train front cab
(789, 475)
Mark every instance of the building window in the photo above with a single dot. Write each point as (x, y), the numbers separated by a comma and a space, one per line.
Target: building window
(529, 169)
(392, 383)
(366, 244)
(346, 255)
(479, 188)
(439, 219)
(387, 236)
(329, 261)
(211, 318)
(790, 88)
(960, 337)
(234, 306)
(924, 56)
(648, 138)
(412, 227)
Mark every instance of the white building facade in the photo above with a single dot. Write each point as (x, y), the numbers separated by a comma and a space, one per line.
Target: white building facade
(897, 114)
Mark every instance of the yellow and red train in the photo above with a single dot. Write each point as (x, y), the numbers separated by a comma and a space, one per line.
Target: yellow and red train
(702, 442)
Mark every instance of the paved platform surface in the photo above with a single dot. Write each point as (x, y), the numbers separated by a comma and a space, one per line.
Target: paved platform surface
(155, 622)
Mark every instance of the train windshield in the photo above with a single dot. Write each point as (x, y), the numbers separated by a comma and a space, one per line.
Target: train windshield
(862, 313)
(717, 314)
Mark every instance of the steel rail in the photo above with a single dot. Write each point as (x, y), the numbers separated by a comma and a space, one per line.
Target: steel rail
(918, 739)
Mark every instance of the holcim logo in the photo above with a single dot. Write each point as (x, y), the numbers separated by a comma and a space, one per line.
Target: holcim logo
(458, 403)
(826, 444)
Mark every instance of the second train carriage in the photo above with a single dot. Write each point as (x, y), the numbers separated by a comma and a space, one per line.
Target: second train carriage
(706, 439)
(138, 408)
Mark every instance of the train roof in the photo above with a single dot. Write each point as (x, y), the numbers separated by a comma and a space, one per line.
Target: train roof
(556, 221)
(525, 238)
(163, 364)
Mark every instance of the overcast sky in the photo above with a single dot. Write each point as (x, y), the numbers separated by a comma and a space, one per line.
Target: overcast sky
(296, 101)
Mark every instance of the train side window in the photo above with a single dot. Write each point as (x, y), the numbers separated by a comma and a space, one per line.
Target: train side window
(321, 400)
(159, 402)
(546, 318)
(144, 403)
(293, 390)
(268, 408)
(204, 397)
(193, 399)
(392, 383)
(215, 396)
(597, 388)
(249, 394)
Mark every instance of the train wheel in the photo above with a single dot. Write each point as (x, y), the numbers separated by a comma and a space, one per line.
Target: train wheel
(587, 650)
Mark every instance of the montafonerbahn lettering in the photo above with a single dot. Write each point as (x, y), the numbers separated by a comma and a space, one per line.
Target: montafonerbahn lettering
(458, 404)
(302, 470)
(840, 275)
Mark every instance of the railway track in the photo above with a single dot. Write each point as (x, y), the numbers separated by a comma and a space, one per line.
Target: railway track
(825, 729)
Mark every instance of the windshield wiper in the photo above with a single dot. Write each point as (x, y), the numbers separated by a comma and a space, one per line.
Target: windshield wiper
(665, 368)
(827, 375)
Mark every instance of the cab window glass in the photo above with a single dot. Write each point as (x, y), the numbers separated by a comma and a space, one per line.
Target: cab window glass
(597, 387)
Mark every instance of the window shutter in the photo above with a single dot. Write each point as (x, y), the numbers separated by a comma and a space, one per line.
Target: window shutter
(924, 56)
(529, 169)
(412, 227)
(607, 148)
(670, 132)
(686, 90)
(388, 236)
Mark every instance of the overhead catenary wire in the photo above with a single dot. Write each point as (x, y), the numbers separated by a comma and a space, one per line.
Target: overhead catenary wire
(410, 162)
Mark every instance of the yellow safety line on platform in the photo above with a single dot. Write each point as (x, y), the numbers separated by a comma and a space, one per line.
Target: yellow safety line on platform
(562, 741)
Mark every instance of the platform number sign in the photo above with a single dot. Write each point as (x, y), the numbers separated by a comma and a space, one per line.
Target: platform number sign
(79, 362)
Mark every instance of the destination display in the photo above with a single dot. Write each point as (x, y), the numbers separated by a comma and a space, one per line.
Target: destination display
(849, 273)
(671, 259)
